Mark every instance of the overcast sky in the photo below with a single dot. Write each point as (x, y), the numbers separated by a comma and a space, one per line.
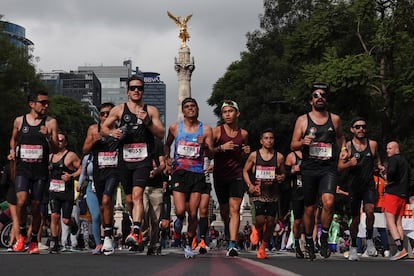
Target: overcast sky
(68, 34)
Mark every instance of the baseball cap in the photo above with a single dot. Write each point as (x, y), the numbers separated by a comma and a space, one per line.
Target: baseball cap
(231, 104)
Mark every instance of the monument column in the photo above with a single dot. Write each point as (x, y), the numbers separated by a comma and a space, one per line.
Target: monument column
(184, 68)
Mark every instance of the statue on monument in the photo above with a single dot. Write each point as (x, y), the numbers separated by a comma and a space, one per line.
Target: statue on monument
(182, 24)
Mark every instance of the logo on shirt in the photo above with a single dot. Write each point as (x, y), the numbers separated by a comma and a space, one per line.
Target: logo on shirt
(25, 129)
(127, 118)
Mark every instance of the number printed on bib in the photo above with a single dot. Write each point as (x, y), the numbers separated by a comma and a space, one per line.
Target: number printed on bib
(189, 150)
(265, 173)
(107, 159)
(57, 185)
(135, 152)
(320, 150)
(31, 153)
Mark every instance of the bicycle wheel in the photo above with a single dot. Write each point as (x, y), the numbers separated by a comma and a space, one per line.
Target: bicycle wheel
(5, 234)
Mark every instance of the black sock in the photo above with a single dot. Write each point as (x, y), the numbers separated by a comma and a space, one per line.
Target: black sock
(399, 244)
(203, 225)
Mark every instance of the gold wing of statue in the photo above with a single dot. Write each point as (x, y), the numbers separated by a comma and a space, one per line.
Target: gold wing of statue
(175, 18)
(187, 18)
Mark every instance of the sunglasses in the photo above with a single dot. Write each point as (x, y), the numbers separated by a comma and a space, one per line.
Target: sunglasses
(318, 95)
(134, 87)
(104, 113)
(43, 102)
(360, 126)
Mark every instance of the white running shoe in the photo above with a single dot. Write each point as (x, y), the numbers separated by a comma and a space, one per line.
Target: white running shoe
(188, 252)
(371, 251)
(387, 253)
(107, 247)
(353, 255)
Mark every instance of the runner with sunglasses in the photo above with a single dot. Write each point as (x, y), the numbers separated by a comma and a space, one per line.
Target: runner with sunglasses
(362, 160)
(315, 134)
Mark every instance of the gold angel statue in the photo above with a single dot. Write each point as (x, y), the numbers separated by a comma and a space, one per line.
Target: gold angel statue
(182, 24)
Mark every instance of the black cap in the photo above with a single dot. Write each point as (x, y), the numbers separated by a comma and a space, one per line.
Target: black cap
(356, 119)
(320, 85)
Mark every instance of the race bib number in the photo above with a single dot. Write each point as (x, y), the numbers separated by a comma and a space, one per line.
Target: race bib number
(135, 152)
(57, 185)
(107, 159)
(31, 153)
(320, 150)
(266, 174)
(188, 150)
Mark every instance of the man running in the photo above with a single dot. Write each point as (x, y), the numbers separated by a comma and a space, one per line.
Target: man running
(362, 160)
(231, 146)
(315, 134)
(138, 124)
(192, 139)
(34, 135)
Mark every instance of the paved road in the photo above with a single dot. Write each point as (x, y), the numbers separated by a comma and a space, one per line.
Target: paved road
(173, 263)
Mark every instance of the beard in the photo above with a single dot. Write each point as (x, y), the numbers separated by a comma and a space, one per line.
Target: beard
(320, 107)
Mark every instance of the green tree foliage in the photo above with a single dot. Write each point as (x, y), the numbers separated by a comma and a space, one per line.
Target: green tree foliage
(73, 118)
(363, 48)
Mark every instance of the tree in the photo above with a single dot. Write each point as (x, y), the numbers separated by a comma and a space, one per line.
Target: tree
(363, 48)
(73, 118)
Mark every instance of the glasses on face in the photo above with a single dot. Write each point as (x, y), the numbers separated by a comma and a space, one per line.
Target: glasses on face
(134, 87)
(360, 126)
(43, 102)
(317, 95)
(104, 113)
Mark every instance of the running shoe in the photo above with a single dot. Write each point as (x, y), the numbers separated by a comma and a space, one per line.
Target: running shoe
(371, 251)
(324, 250)
(400, 254)
(97, 250)
(232, 252)
(33, 248)
(19, 246)
(310, 251)
(107, 247)
(134, 239)
(188, 252)
(54, 249)
(353, 254)
(254, 236)
(387, 253)
(261, 253)
(202, 248)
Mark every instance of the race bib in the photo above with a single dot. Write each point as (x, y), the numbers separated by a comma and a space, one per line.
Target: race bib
(320, 150)
(107, 159)
(188, 150)
(31, 153)
(266, 173)
(57, 185)
(135, 152)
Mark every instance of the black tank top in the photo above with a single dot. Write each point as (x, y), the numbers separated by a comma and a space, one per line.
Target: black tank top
(57, 186)
(322, 153)
(32, 151)
(105, 157)
(363, 173)
(265, 173)
(137, 145)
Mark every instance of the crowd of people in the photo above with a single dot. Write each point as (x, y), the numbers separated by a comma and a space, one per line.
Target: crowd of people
(127, 147)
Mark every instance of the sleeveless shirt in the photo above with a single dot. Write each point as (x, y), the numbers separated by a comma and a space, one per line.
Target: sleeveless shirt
(265, 174)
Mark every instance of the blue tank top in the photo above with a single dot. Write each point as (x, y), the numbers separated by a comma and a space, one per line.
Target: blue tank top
(188, 153)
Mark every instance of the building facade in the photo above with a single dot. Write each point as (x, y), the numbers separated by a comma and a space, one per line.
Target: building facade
(16, 34)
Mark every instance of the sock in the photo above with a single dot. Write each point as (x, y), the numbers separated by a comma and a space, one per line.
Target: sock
(399, 244)
(33, 238)
(353, 242)
(108, 230)
(136, 227)
(23, 230)
(203, 226)
(232, 244)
